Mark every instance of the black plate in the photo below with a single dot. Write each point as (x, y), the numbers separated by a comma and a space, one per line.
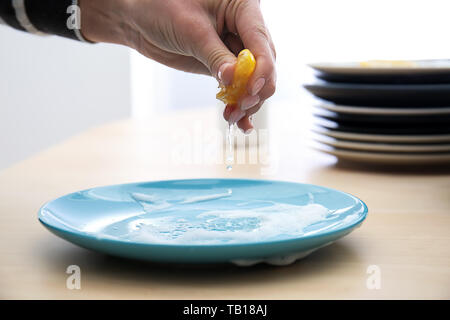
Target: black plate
(385, 79)
(382, 128)
(430, 95)
(390, 119)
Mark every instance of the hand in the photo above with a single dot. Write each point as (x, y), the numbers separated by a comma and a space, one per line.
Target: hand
(199, 36)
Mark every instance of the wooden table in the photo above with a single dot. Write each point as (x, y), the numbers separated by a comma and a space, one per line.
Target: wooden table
(406, 235)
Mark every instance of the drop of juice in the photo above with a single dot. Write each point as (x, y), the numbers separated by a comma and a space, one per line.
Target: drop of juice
(230, 147)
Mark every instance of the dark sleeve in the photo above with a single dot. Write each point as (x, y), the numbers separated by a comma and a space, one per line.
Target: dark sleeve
(43, 17)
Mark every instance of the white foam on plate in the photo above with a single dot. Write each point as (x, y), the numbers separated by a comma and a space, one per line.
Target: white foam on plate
(197, 199)
(150, 202)
(229, 226)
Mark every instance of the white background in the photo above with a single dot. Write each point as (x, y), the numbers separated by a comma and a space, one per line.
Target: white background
(52, 88)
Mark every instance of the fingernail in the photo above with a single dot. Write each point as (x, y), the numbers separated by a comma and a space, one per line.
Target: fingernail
(259, 84)
(249, 102)
(248, 131)
(221, 71)
(236, 115)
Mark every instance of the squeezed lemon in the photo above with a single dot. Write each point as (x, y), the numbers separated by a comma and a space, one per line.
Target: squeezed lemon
(245, 66)
(230, 95)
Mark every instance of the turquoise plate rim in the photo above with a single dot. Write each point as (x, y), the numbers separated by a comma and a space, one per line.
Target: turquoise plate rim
(92, 237)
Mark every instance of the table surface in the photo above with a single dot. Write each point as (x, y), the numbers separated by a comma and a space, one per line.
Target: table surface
(406, 235)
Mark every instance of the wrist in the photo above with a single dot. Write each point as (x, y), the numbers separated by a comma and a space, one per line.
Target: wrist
(104, 20)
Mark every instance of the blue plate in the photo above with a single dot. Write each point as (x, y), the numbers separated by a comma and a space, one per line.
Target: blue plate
(205, 220)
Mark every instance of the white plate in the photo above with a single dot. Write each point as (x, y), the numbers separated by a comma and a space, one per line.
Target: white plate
(383, 111)
(355, 68)
(374, 146)
(384, 158)
(433, 138)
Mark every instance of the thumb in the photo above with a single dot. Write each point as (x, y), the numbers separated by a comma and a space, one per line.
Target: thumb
(215, 55)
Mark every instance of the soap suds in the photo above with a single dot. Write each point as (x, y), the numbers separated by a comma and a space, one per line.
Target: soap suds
(273, 222)
(175, 220)
(150, 202)
(197, 199)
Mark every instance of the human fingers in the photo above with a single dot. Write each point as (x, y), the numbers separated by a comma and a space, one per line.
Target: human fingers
(213, 53)
(173, 60)
(233, 42)
(254, 109)
(245, 124)
(245, 18)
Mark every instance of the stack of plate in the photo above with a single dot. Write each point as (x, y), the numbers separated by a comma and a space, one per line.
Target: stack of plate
(383, 112)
